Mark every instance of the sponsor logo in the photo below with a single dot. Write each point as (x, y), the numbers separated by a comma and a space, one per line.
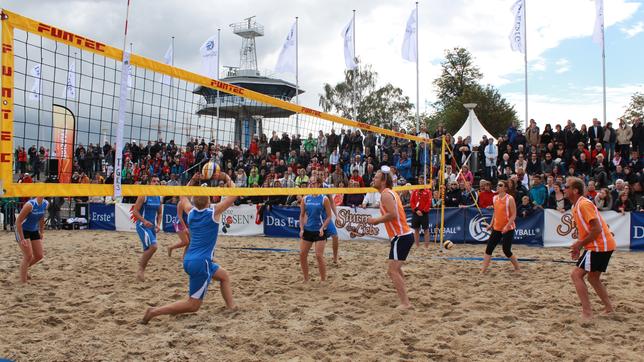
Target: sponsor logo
(225, 87)
(71, 37)
(478, 227)
(567, 226)
(95, 216)
(638, 232)
(169, 219)
(288, 222)
(355, 224)
(311, 112)
(210, 45)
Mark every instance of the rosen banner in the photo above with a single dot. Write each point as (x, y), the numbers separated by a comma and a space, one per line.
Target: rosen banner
(241, 221)
(560, 231)
(101, 217)
(64, 123)
(637, 230)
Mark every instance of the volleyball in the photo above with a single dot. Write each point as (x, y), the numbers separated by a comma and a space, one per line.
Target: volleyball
(448, 244)
(209, 170)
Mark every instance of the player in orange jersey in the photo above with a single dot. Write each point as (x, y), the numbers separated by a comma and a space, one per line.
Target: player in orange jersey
(402, 237)
(598, 243)
(502, 226)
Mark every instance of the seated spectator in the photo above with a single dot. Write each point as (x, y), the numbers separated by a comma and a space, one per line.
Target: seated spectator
(453, 195)
(357, 178)
(405, 196)
(557, 200)
(590, 190)
(538, 192)
(240, 178)
(468, 197)
(486, 196)
(603, 200)
(338, 199)
(526, 208)
(623, 203)
(466, 175)
(353, 200)
(371, 200)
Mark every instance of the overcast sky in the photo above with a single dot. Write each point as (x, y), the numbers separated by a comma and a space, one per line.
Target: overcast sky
(564, 64)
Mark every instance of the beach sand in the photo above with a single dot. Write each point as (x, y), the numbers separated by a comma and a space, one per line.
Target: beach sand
(84, 303)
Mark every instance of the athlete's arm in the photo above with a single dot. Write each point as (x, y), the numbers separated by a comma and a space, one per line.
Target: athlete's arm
(181, 207)
(513, 215)
(595, 230)
(302, 217)
(226, 203)
(332, 202)
(389, 204)
(159, 215)
(136, 211)
(327, 208)
(26, 209)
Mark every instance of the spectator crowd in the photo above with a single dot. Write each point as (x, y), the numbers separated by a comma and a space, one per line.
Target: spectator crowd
(535, 163)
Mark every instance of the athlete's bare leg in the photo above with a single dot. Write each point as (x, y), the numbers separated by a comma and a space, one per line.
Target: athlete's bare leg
(600, 289)
(184, 239)
(577, 277)
(335, 245)
(190, 305)
(395, 273)
(226, 288)
(143, 263)
(305, 246)
(319, 255)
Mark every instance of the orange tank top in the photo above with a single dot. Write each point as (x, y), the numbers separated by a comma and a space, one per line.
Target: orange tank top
(502, 212)
(583, 212)
(397, 226)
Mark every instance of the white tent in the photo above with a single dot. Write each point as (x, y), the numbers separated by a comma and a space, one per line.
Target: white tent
(473, 128)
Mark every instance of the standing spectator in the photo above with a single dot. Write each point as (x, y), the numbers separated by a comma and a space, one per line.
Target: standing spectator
(583, 135)
(534, 166)
(571, 137)
(355, 176)
(404, 166)
(610, 137)
(547, 136)
(310, 144)
(333, 141)
(538, 192)
(638, 135)
(596, 133)
(22, 159)
(532, 134)
(357, 165)
(491, 155)
(624, 135)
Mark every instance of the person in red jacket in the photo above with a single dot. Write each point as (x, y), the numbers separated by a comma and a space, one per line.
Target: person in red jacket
(485, 194)
(420, 203)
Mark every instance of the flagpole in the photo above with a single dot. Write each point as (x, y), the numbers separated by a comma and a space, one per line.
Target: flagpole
(525, 59)
(417, 75)
(118, 163)
(171, 111)
(604, 64)
(355, 70)
(297, 74)
(217, 74)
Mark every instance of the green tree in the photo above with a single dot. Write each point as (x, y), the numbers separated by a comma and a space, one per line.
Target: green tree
(358, 93)
(459, 84)
(635, 108)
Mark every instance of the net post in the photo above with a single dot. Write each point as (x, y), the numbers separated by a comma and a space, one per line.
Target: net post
(442, 185)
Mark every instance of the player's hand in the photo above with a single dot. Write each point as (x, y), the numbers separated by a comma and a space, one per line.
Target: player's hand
(24, 243)
(301, 234)
(321, 232)
(157, 229)
(147, 224)
(574, 253)
(419, 213)
(371, 221)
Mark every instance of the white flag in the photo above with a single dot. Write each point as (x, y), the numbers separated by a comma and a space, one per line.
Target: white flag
(598, 33)
(167, 58)
(409, 48)
(35, 88)
(70, 88)
(349, 56)
(286, 60)
(209, 57)
(517, 36)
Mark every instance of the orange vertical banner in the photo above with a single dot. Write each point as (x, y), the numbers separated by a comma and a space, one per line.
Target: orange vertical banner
(64, 128)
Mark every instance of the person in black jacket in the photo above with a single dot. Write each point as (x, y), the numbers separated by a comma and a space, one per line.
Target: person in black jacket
(596, 132)
(453, 195)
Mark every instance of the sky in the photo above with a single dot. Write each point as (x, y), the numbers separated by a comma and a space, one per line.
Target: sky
(564, 65)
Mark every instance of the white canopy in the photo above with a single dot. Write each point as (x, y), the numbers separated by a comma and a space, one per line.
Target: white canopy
(473, 128)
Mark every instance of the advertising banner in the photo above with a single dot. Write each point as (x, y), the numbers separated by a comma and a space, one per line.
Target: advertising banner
(560, 231)
(101, 217)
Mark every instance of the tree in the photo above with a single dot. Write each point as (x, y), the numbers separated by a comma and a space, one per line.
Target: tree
(459, 84)
(635, 108)
(358, 93)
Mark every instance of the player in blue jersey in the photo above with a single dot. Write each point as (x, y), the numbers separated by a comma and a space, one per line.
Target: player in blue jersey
(147, 212)
(30, 227)
(203, 223)
(332, 231)
(180, 226)
(315, 216)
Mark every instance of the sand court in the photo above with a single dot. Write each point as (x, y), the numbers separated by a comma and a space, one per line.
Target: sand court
(84, 303)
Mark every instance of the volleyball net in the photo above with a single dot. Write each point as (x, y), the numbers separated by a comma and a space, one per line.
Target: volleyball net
(61, 96)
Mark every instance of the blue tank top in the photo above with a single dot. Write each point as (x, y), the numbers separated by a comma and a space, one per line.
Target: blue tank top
(32, 222)
(315, 212)
(150, 208)
(203, 234)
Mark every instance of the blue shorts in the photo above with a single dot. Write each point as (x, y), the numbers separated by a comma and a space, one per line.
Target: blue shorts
(148, 236)
(330, 229)
(201, 272)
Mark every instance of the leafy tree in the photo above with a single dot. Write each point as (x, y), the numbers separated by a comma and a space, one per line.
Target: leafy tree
(635, 108)
(459, 84)
(358, 93)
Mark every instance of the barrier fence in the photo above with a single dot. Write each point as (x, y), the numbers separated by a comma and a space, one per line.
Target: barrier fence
(546, 228)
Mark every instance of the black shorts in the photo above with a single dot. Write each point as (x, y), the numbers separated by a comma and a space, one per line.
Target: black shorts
(313, 236)
(400, 246)
(420, 222)
(594, 261)
(29, 235)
